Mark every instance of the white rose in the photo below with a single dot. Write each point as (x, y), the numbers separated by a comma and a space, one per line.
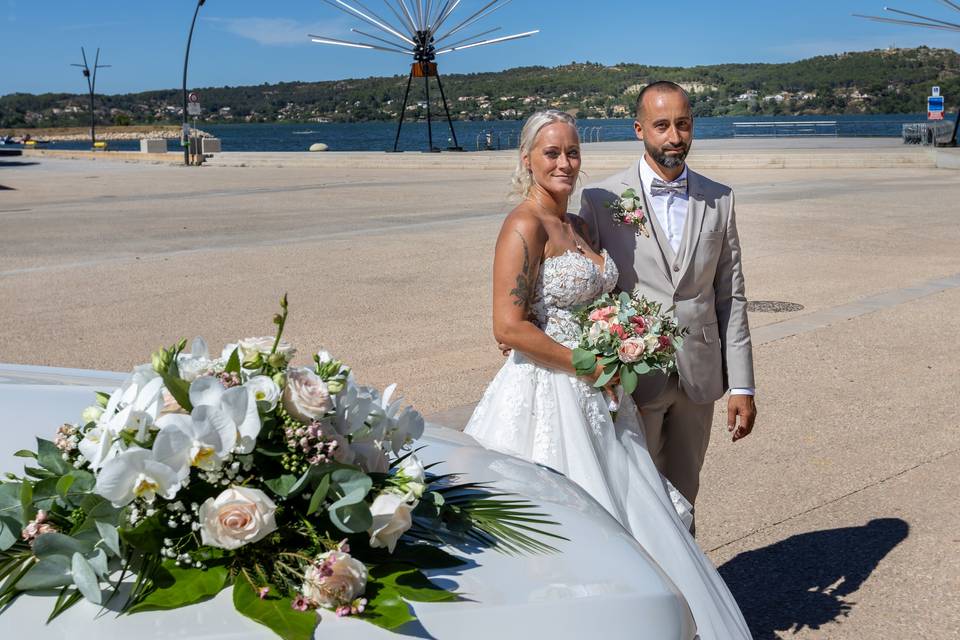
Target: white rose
(628, 204)
(346, 583)
(652, 342)
(597, 329)
(391, 519)
(306, 396)
(91, 414)
(265, 390)
(412, 469)
(250, 347)
(236, 517)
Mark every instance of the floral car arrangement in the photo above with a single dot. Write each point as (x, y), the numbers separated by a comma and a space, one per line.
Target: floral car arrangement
(293, 486)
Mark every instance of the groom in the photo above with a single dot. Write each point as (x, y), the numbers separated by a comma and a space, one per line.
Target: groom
(687, 254)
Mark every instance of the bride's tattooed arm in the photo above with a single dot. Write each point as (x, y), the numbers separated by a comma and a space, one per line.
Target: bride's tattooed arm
(519, 255)
(523, 292)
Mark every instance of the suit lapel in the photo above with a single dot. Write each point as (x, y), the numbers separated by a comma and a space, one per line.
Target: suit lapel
(662, 254)
(696, 208)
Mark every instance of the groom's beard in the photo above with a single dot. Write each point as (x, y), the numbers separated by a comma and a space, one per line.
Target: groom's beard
(660, 156)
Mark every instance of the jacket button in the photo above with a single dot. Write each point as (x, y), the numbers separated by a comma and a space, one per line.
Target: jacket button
(676, 267)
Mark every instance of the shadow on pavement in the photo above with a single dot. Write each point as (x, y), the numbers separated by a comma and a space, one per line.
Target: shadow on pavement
(17, 163)
(803, 581)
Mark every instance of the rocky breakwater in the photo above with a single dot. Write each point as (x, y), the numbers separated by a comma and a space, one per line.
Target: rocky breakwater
(105, 134)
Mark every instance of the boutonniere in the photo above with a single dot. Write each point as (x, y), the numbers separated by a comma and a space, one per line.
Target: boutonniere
(628, 210)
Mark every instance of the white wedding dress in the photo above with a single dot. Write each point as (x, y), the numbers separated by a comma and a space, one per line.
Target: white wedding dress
(555, 419)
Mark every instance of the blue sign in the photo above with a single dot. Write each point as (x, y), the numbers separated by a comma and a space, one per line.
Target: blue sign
(935, 103)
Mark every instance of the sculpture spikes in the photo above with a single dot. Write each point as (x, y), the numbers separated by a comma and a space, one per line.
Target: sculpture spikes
(416, 26)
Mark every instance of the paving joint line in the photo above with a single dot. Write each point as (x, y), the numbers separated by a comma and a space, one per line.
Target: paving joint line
(877, 483)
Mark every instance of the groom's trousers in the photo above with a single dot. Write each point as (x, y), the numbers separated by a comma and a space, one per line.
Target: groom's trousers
(678, 432)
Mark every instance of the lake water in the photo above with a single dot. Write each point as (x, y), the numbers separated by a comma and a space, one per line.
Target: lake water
(379, 136)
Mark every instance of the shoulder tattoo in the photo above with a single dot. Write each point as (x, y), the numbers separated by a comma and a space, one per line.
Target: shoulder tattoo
(522, 292)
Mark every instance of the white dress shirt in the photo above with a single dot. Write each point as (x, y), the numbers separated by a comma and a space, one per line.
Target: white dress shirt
(671, 210)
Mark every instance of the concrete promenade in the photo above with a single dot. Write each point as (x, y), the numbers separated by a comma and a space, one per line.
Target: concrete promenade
(836, 519)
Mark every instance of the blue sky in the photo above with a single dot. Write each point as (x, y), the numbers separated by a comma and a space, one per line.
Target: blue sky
(241, 42)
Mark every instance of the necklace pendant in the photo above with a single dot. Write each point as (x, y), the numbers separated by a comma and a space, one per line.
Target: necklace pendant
(579, 247)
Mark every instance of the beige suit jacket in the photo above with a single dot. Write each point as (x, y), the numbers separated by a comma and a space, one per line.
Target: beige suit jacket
(704, 281)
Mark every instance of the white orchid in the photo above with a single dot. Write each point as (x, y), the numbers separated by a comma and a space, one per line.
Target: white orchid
(133, 407)
(238, 405)
(353, 407)
(135, 473)
(204, 439)
(400, 427)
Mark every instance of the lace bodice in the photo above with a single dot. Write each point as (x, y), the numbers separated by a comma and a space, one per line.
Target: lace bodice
(565, 282)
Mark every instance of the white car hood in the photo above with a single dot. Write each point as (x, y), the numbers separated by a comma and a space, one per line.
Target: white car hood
(601, 584)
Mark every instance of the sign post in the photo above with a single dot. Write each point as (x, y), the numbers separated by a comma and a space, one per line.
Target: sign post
(935, 105)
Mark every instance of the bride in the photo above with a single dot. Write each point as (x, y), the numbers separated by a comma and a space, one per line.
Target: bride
(537, 408)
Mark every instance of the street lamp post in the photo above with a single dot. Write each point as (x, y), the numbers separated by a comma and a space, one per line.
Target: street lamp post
(91, 77)
(185, 140)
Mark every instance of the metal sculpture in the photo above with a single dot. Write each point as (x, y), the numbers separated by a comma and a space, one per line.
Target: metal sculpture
(927, 23)
(417, 31)
(91, 77)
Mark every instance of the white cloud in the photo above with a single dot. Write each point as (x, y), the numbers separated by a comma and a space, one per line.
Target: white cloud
(278, 31)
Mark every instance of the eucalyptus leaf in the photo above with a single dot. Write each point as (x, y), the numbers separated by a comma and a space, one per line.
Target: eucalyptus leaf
(48, 573)
(86, 579)
(110, 536)
(605, 377)
(628, 378)
(9, 532)
(64, 484)
(354, 517)
(58, 544)
(51, 458)
(10, 501)
(282, 485)
(26, 502)
(273, 611)
(584, 361)
(103, 398)
(98, 508)
(188, 586)
(319, 495)
(25, 453)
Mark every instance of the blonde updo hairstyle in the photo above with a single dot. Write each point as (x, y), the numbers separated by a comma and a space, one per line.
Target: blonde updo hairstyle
(522, 176)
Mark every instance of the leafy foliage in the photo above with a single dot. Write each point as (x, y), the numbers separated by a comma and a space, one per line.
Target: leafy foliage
(894, 81)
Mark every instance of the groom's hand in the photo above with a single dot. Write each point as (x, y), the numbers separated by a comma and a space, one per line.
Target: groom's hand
(741, 412)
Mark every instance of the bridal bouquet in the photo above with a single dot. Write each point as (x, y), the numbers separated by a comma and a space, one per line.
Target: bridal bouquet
(293, 486)
(630, 336)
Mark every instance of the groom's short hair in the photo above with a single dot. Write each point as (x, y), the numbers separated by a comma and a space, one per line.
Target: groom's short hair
(659, 85)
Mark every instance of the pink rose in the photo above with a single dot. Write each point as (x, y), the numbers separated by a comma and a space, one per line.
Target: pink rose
(631, 350)
(306, 396)
(618, 331)
(604, 313)
(665, 343)
(639, 324)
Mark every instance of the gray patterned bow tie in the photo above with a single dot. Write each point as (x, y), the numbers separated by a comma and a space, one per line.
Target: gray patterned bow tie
(658, 187)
